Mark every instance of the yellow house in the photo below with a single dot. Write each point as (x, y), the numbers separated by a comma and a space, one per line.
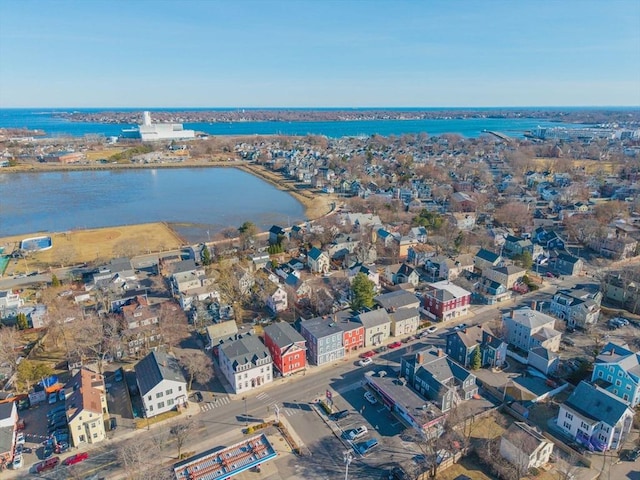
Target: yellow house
(86, 407)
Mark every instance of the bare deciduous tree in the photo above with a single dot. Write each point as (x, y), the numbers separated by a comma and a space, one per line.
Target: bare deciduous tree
(9, 343)
(198, 366)
(180, 434)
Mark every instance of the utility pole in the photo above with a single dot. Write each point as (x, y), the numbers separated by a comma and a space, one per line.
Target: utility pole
(246, 419)
(347, 461)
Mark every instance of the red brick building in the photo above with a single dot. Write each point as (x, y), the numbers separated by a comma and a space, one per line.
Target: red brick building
(287, 347)
(444, 301)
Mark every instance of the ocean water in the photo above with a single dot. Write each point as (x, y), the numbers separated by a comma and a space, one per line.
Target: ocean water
(195, 200)
(46, 119)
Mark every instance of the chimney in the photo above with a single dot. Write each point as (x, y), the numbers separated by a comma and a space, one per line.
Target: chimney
(420, 358)
(534, 304)
(440, 352)
(512, 314)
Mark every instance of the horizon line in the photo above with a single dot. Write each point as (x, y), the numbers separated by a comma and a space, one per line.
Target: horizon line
(324, 108)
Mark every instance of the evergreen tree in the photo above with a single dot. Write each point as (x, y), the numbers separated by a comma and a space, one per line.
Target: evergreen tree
(55, 282)
(362, 291)
(206, 255)
(476, 359)
(22, 322)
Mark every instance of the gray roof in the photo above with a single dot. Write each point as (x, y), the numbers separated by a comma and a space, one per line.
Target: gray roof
(247, 349)
(531, 318)
(6, 439)
(374, 318)
(156, 367)
(183, 266)
(5, 410)
(283, 334)
(405, 313)
(524, 437)
(397, 299)
(543, 353)
(222, 330)
(597, 404)
(320, 327)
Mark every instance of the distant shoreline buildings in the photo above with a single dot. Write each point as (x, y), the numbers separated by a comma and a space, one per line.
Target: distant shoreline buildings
(563, 133)
(150, 132)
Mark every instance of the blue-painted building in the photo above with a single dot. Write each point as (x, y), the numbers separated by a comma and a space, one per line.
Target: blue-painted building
(617, 370)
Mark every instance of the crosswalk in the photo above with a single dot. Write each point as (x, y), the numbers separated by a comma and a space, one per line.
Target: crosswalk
(266, 399)
(217, 402)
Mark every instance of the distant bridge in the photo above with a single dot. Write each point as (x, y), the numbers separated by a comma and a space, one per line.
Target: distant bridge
(501, 136)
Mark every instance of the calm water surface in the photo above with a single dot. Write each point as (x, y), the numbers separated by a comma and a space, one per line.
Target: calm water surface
(200, 199)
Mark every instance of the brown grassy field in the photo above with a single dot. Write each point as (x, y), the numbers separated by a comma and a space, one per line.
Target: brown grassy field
(83, 246)
(103, 153)
(590, 166)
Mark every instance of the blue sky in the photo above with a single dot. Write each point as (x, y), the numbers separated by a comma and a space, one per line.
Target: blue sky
(324, 53)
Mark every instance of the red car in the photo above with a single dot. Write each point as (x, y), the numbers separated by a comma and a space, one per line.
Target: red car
(48, 464)
(77, 458)
(395, 345)
(368, 354)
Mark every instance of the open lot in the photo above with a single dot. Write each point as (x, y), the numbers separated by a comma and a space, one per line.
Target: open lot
(83, 246)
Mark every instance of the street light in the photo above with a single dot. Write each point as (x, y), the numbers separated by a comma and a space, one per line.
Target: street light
(246, 420)
(347, 461)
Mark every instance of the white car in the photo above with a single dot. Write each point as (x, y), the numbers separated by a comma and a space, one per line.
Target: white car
(17, 462)
(20, 438)
(365, 361)
(431, 329)
(356, 433)
(370, 398)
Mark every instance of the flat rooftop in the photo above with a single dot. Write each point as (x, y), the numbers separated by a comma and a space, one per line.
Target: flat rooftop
(218, 464)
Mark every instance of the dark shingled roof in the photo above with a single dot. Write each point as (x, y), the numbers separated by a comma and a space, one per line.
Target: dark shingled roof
(597, 404)
(283, 334)
(154, 368)
(248, 349)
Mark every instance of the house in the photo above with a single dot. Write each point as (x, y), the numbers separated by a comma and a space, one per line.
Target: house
(461, 346)
(578, 307)
(514, 246)
(595, 418)
(117, 270)
(462, 221)
(543, 360)
(8, 422)
(353, 332)
(324, 339)
(446, 268)
(444, 300)
(622, 288)
(617, 370)
(9, 303)
(397, 300)
(140, 331)
(369, 270)
(246, 363)
(86, 407)
(36, 315)
(548, 239)
(401, 273)
(563, 263)
(219, 332)
(276, 298)
(161, 384)
(486, 259)
(507, 276)
(287, 347)
(438, 378)
(318, 261)
(524, 446)
(377, 326)
(404, 321)
(526, 328)
(419, 234)
(491, 292)
(276, 235)
(462, 202)
(615, 247)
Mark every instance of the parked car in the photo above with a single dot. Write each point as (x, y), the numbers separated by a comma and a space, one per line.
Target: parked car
(53, 398)
(365, 361)
(431, 329)
(17, 462)
(61, 447)
(56, 410)
(395, 345)
(77, 458)
(365, 447)
(356, 433)
(568, 341)
(368, 354)
(113, 423)
(118, 376)
(630, 455)
(342, 414)
(20, 438)
(380, 349)
(370, 398)
(48, 464)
